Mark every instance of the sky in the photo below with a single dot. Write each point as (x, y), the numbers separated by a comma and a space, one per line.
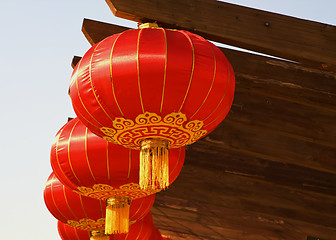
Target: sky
(38, 40)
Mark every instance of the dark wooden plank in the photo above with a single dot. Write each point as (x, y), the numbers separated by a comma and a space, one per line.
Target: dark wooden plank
(217, 205)
(75, 60)
(216, 157)
(274, 34)
(92, 26)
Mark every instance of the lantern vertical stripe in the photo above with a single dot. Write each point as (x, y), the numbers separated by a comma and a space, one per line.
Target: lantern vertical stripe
(213, 80)
(113, 91)
(83, 117)
(224, 112)
(165, 70)
(151, 61)
(92, 88)
(79, 97)
(202, 75)
(53, 199)
(67, 203)
(86, 154)
(176, 164)
(81, 202)
(192, 69)
(176, 77)
(57, 165)
(69, 159)
(125, 73)
(50, 201)
(223, 97)
(137, 61)
(129, 163)
(107, 162)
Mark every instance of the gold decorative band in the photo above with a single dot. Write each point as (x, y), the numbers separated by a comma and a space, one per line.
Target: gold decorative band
(88, 224)
(173, 127)
(103, 191)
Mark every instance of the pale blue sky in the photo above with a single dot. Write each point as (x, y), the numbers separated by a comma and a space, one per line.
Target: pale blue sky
(38, 40)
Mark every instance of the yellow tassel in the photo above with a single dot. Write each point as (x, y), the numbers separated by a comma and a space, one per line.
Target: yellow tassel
(154, 164)
(99, 235)
(117, 215)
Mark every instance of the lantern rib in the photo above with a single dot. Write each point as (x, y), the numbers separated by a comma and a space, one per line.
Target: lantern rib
(177, 162)
(81, 201)
(138, 209)
(86, 155)
(101, 209)
(80, 99)
(226, 90)
(213, 80)
(129, 164)
(147, 210)
(90, 76)
(57, 159)
(77, 234)
(67, 203)
(79, 113)
(228, 106)
(165, 70)
(107, 162)
(53, 199)
(69, 159)
(142, 222)
(111, 75)
(138, 67)
(192, 68)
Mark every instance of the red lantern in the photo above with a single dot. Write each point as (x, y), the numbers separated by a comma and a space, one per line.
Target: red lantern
(152, 89)
(83, 212)
(67, 232)
(96, 168)
(140, 230)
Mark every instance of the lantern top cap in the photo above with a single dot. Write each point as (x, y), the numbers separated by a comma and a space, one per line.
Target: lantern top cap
(148, 25)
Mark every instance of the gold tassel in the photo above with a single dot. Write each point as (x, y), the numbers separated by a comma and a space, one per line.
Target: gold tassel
(154, 164)
(117, 215)
(99, 235)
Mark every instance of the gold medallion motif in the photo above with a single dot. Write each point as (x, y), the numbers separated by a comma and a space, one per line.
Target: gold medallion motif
(172, 127)
(103, 191)
(88, 224)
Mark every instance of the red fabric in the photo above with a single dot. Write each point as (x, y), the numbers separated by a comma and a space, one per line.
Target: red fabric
(141, 230)
(67, 232)
(156, 235)
(80, 158)
(152, 70)
(65, 205)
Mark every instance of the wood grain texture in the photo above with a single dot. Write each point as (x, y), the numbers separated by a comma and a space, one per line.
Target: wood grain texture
(234, 207)
(274, 34)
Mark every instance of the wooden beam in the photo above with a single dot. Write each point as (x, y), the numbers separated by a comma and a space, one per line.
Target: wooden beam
(274, 34)
(240, 162)
(223, 206)
(92, 26)
(75, 60)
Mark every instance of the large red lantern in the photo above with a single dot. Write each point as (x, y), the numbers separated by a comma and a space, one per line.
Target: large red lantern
(99, 169)
(84, 212)
(152, 89)
(141, 230)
